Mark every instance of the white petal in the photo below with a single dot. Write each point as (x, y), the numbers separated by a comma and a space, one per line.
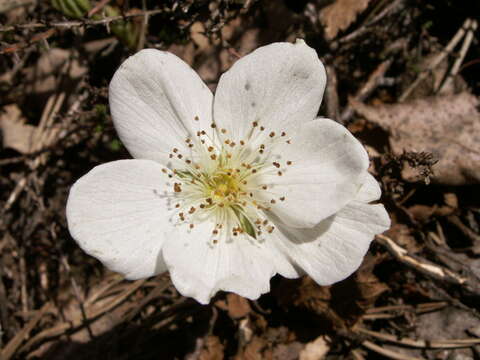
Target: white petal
(328, 168)
(276, 85)
(199, 268)
(155, 98)
(370, 190)
(118, 213)
(334, 249)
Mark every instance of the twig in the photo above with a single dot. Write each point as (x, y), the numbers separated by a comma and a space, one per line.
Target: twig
(79, 23)
(422, 344)
(367, 89)
(97, 7)
(388, 353)
(438, 59)
(35, 38)
(364, 29)
(463, 52)
(331, 94)
(434, 271)
(17, 340)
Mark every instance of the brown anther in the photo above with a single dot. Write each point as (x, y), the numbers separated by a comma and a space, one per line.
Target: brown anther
(270, 229)
(289, 162)
(282, 198)
(175, 150)
(180, 156)
(264, 187)
(260, 151)
(255, 124)
(215, 232)
(262, 128)
(235, 233)
(232, 144)
(223, 131)
(170, 176)
(258, 221)
(199, 133)
(213, 157)
(242, 142)
(177, 187)
(244, 182)
(227, 141)
(272, 201)
(192, 210)
(276, 164)
(202, 141)
(203, 132)
(215, 241)
(283, 133)
(289, 142)
(177, 206)
(197, 166)
(164, 171)
(265, 222)
(272, 134)
(191, 226)
(188, 161)
(202, 206)
(279, 173)
(170, 156)
(262, 146)
(187, 140)
(190, 145)
(229, 156)
(213, 125)
(209, 201)
(250, 194)
(210, 148)
(221, 205)
(254, 171)
(196, 118)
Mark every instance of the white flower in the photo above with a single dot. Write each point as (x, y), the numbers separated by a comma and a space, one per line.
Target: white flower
(225, 192)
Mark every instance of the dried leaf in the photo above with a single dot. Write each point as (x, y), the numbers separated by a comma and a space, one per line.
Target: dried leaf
(238, 307)
(213, 349)
(316, 349)
(447, 126)
(340, 15)
(15, 133)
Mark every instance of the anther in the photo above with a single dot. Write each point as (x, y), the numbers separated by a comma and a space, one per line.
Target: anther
(213, 157)
(276, 164)
(289, 162)
(177, 187)
(175, 150)
(280, 173)
(196, 118)
(272, 134)
(223, 131)
(282, 198)
(213, 125)
(255, 124)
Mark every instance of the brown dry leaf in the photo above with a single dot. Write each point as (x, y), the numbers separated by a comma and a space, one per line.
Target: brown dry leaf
(15, 133)
(213, 349)
(340, 15)
(446, 126)
(238, 307)
(253, 351)
(56, 67)
(316, 349)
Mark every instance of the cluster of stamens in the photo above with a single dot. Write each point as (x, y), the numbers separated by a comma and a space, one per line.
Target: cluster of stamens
(220, 179)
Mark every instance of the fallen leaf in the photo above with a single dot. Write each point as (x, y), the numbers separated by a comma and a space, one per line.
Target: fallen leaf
(316, 349)
(213, 349)
(238, 307)
(54, 68)
(446, 126)
(339, 15)
(15, 133)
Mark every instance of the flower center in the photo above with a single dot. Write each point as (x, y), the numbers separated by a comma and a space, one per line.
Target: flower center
(223, 182)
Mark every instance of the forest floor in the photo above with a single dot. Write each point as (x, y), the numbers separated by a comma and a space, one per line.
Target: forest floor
(403, 76)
